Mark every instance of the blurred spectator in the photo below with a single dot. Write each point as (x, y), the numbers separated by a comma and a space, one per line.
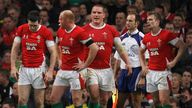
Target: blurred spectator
(44, 20)
(83, 11)
(186, 78)
(5, 84)
(179, 28)
(120, 21)
(186, 98)
(48, 4)
(14, 95)
(169, 26)
(6, 62)
(131, 9)
(8, 32)
(119, 5)
(141, 9)
(2, 11)
(14, 11)
(8, 103)
(87, 19)
(176, 89)
(167, 13)
(59, 5)
(186, 59)
(76, 11)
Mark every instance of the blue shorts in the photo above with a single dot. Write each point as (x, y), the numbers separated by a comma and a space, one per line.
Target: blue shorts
(128, 83)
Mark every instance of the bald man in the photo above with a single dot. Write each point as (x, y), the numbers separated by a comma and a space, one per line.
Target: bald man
(71, 39)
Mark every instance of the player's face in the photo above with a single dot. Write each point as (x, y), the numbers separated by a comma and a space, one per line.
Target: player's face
(97, 15)
(62, 21)
(131, 23)
(33, 26)
(152, 21)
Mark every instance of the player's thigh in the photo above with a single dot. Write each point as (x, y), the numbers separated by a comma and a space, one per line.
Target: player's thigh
(57, 93)
(94, 90)
(24, 92)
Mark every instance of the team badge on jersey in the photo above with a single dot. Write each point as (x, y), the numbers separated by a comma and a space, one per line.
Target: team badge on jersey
(104, 35)
(38, 39)
(159, 42)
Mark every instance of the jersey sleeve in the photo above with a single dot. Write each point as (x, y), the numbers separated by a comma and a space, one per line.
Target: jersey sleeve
(19, 31)
(172, 38)
(83, 37)
(48, 35)
(114, 32)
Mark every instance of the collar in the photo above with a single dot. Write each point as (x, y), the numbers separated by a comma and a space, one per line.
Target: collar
(69, 31)
(133, 33)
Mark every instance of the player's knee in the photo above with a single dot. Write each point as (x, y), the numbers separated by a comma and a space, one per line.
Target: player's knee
(39, 103)
(54, 99)
(77, 100)
(95, 98)
(163, 100)
(22, 101)
(103, 101)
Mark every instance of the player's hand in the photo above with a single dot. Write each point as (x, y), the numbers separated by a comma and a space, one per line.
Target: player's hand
(129, 69)
(48, 76)
(14, 73)
(80, 65)
(144, 71)
(170, 64)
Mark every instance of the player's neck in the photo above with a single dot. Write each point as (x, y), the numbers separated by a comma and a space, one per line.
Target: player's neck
(131, 30)
(155, 31)
(70, 27)
(98, 25)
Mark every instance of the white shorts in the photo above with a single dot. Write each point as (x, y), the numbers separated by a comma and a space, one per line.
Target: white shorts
(68, 78)
(32, 76)
(158, 80)
(103, 77)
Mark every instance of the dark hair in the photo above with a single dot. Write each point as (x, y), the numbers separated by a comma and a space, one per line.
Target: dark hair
(188, 69)
(137, 17)
(9, 101)
(157, 16)
(33, 16)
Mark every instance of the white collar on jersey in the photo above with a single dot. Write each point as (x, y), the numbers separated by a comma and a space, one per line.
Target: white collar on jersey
(133, 33)
(97, 27)
(156, 33)
(38, 28)
(69, 31)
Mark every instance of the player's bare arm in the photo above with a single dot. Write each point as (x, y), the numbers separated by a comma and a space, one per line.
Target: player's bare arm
(143, 61)
(14, 55)
(91, 56)
(181, 48)
(53, 57)
(122, 53)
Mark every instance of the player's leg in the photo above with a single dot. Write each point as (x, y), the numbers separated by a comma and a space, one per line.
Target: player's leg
(23, 93)
(76, 89)
(164, 85)
(93, 88)
(122, 85)
(107, 85)
(152, 87)
(24, 87)
(59, 87)
(39, 87)
(136, 94)
(39, 95)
